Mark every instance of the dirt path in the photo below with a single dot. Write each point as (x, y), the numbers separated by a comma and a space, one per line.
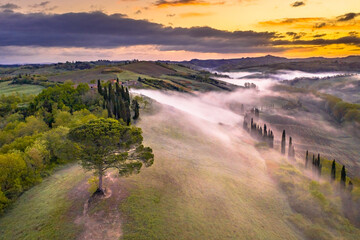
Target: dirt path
(100, 217)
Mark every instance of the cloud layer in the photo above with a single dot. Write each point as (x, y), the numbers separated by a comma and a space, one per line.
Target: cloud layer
(98, 30)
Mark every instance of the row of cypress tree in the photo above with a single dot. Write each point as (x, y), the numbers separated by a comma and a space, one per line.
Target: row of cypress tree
(261, 134)
(317, 166)
(117, 101)
(291, 148)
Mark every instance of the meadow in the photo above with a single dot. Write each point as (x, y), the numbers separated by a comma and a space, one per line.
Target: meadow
(6, 88)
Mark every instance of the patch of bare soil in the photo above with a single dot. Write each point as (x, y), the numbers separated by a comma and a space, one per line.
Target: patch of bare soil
(100, 217)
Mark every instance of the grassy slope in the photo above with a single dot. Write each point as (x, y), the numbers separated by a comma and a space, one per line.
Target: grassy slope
(8, 89)
(87, 75)
(312, 128)
(201, 189)
(41, 212)
(148, 68)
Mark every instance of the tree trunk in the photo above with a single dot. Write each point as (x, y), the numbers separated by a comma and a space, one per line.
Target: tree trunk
(100, 187)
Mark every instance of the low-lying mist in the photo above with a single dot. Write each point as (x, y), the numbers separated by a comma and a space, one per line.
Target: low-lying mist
(266, 80)
(218, 114)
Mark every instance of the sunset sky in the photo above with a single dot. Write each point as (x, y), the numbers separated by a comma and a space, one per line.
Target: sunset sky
(68, 30)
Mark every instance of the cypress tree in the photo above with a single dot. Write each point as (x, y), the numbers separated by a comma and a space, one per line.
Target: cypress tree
(265, 131)
(290, 148)
(122, 110)
(307, 159)
(333, 171)
(283, 142)
(136, 107)
(343, 177)
(271, 139)
(123, 93)
(105, 94)
(109, 110)
(99, 87)
(115, 112)
(118, 89)
(127, 94)
(128, 113)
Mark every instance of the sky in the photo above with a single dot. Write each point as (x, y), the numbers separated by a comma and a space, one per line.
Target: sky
(33, 31)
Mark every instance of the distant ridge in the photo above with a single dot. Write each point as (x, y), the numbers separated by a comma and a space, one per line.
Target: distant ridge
(312, 64)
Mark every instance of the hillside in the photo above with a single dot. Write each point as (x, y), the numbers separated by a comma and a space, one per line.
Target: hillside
(153, 75)
(351, 63)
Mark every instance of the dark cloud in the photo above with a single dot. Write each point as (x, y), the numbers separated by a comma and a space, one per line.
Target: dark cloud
(319, 25)
(138, 12)
(41, 5)
(10, 6)
(347, 17)
(98, 30)
(319, 35)
(298, 4)
(166, 3)
(295, 35)
(349, 40)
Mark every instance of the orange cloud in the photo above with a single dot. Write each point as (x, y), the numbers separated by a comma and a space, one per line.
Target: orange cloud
(195, 14)
(178, 3)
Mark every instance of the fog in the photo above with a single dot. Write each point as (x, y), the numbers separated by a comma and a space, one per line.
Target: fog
(217, 113)
(203, 153)
(264, 81)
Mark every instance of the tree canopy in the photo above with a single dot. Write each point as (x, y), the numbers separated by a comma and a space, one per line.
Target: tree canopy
(109, 143)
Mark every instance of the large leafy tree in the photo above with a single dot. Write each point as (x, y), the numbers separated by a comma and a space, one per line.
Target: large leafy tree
(108, 143)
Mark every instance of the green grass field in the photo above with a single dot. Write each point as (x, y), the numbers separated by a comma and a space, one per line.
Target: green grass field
(7, 89)
(43, 211)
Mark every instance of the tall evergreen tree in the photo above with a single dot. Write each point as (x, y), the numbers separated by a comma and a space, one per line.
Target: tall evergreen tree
(265, 131)
(307, 159)
(333, 171)
(118, 89)
(283, 142)
(108, 107)
(271, 139)
(123, 93)
(122, 110)
(99, 87)
(136, 107)
(290, 148)
(127, 95)
(105, 94)
(343, 177)
(128, 113)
